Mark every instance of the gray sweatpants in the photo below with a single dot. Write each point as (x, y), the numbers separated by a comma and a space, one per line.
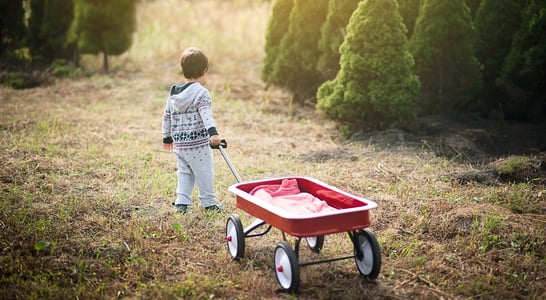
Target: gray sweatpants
(195, 166)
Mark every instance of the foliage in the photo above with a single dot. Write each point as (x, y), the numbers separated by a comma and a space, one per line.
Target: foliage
(49, 23)
(62, 68)
(444, 58)
(295, 67)
(409, 10)
(376, 86)
(14, 80)
(333, 33)
(474, 6)
(277, 27)
(496, 22)
(525, 66)
(12, 26)
(103, 26)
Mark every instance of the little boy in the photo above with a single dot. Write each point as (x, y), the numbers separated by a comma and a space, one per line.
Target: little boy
(189, 130)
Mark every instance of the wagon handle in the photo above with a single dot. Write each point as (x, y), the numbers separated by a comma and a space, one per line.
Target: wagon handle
(221, 146)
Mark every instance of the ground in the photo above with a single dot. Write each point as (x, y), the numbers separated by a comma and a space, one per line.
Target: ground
(460, 215)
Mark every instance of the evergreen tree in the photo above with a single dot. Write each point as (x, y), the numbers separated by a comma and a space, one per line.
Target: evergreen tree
(34, 38)
(12, 26)
(442, 46)
(49, 23)
(332, 35)
(524, 70)
(103, 26)
(409, 9)
(496, 23)
(376, 86)
(295, 67)
(277, 27)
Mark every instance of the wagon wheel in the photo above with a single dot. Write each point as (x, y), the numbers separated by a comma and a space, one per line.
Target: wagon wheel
(315, 243)
(235, 237)
(369, 262)
(287, 267)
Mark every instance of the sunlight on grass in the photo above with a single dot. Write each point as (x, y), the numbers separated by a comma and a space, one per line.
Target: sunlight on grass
(230, 32)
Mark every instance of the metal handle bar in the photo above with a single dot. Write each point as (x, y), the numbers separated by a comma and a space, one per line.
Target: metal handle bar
(221, 146)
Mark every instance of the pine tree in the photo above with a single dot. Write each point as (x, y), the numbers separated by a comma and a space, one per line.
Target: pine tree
(104, 26)
(295, 67)
(332, 35)
(34, 38)
(12, 26)
(524, 70)
(49, 23)
(496, 23)
(409, 9)
(376, 86)
(442, 46)
(276, 29)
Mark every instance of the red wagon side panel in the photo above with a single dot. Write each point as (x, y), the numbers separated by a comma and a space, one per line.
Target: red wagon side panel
(352, 212)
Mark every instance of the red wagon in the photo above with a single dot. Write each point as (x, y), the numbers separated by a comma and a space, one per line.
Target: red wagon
(350, 214)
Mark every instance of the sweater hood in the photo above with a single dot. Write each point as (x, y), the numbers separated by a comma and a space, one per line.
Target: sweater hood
(183, 95)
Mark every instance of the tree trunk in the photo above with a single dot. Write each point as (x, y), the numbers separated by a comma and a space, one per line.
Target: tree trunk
(105, 62)
(76, 56)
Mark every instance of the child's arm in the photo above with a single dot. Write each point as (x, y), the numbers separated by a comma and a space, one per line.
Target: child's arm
(166, 128)
(205, 110)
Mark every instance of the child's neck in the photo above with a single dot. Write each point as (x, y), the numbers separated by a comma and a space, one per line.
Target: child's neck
(201, 80)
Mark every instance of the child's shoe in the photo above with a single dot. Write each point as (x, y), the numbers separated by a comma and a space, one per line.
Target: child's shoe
(214, 207)
(180, 208)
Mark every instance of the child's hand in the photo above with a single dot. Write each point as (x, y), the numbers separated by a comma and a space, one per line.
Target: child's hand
(168, 147)
(215, 140)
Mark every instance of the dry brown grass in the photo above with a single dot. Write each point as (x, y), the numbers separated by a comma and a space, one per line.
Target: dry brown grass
(85, 188)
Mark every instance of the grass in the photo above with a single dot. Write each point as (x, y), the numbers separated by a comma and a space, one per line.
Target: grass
(86, 188)
(512, 165)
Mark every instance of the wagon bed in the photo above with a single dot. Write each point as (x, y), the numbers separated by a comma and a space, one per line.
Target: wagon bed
(352, 212)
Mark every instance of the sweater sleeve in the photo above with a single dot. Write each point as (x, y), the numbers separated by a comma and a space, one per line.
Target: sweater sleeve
(205, 110)
(166, 125)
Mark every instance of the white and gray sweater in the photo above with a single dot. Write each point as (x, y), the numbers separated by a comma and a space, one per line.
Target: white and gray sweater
(187, 118)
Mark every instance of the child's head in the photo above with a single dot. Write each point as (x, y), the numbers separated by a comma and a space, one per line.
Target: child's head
(194, 63)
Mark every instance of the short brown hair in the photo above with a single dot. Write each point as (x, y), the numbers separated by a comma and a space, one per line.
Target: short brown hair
(193, 62)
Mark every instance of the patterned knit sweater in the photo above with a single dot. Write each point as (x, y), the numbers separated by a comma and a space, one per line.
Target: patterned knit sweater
(187, 118)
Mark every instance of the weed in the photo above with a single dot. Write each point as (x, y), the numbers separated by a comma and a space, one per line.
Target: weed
(419, 261)
(180, 233)
(487, 232)
(41, 245)
(519, 198)
(526, 242)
